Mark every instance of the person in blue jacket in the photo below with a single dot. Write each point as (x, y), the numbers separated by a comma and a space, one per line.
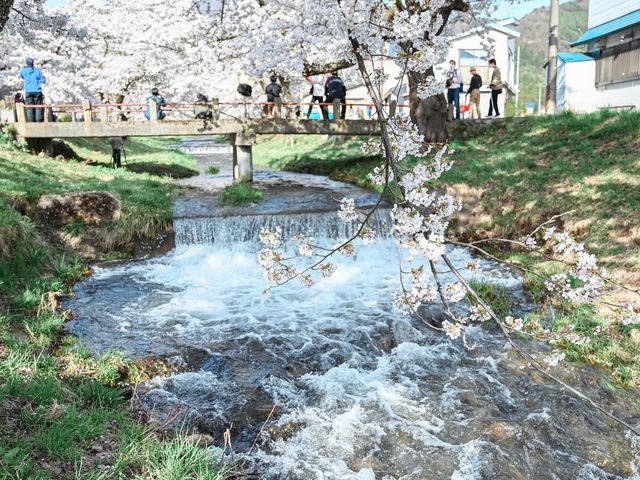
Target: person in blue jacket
(160, 102)
(33, 81)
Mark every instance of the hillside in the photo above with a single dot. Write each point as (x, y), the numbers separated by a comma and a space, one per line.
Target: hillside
(534, 43)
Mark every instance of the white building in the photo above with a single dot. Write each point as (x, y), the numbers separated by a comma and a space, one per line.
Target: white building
(576, 91)
(472, 48)
(613, 41)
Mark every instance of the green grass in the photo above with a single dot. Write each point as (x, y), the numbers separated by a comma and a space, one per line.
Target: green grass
(612, 346)
(240, 194)
(339, 159)
(494, 295)
(213, 169)
(142, 154)
(146, 199)
(58, 402)
(529, 170)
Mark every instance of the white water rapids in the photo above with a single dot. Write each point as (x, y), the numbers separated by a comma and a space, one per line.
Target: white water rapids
(362, 392)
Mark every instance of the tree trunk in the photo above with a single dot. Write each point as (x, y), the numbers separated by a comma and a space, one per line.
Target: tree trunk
(428, 114)
(5, 10)
(118, 98)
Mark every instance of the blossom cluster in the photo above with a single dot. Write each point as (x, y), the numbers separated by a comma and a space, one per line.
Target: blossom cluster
(584, 280)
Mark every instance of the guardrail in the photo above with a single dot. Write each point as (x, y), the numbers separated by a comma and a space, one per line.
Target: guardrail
(214, 110)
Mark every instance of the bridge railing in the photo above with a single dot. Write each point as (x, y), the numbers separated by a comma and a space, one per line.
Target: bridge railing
(214, 110)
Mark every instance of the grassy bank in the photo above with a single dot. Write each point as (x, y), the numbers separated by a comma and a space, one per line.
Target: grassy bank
(514, 175)
(63, 412)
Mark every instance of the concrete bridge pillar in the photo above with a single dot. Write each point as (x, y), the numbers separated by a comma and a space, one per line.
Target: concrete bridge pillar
(242, 157)
(35, 145)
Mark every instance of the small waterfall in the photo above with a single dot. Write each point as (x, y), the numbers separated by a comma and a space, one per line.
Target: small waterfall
(202, 147)
(229, 230)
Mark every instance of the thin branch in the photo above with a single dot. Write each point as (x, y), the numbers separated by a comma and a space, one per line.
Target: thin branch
(527, 356)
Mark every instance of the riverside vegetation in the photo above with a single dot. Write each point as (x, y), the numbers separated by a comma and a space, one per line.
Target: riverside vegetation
(514, 175)
(63, 413)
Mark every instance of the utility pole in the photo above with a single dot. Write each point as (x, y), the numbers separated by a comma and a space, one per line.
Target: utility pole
(518, 81)
(552, 65)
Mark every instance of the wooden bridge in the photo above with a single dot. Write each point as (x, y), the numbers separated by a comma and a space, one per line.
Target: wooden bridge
(241, 121)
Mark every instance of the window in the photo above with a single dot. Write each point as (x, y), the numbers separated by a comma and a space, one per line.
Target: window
(618, 64)
(473, 58)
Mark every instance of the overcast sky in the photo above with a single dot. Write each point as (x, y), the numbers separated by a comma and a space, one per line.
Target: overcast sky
(506, 9)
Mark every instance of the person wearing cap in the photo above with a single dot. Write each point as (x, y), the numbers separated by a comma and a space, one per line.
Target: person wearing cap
(273, 91)
(33, 81)
(160, 102)
(474, 93)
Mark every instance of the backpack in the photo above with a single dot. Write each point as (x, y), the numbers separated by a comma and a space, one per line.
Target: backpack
(335, 87)
(245, 90)
(273, 90)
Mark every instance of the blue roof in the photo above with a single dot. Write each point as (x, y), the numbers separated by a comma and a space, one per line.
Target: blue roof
(611, 26)
(571, 57)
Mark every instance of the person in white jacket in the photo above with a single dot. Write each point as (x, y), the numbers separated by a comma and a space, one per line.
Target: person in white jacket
(317, 94)
(454, 86)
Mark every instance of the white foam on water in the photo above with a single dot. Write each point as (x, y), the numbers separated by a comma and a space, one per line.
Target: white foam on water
(593, 472)
(543, 416)
(358, 413)
(360, 406)
(386, 414)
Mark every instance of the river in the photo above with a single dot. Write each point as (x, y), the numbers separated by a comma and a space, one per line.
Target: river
(355, 390)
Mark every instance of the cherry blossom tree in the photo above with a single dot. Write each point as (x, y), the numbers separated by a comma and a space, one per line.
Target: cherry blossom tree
(133, 46)
(288, 37)
(118, 48)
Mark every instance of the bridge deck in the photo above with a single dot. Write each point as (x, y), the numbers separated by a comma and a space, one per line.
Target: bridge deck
(195, 127)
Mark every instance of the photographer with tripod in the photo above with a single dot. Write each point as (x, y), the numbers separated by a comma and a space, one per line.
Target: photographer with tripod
(117, 149)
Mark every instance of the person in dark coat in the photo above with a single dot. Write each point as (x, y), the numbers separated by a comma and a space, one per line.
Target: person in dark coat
(117, 144)
(336, 89)
(273, 91)
(474, 93)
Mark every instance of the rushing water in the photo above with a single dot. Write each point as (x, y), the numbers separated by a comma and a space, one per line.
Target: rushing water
(360, 392)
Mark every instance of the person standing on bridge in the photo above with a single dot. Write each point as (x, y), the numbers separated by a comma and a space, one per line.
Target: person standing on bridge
(33, 81)
(273, 91)
(336, 89)
(160, 102)
(317, 95)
